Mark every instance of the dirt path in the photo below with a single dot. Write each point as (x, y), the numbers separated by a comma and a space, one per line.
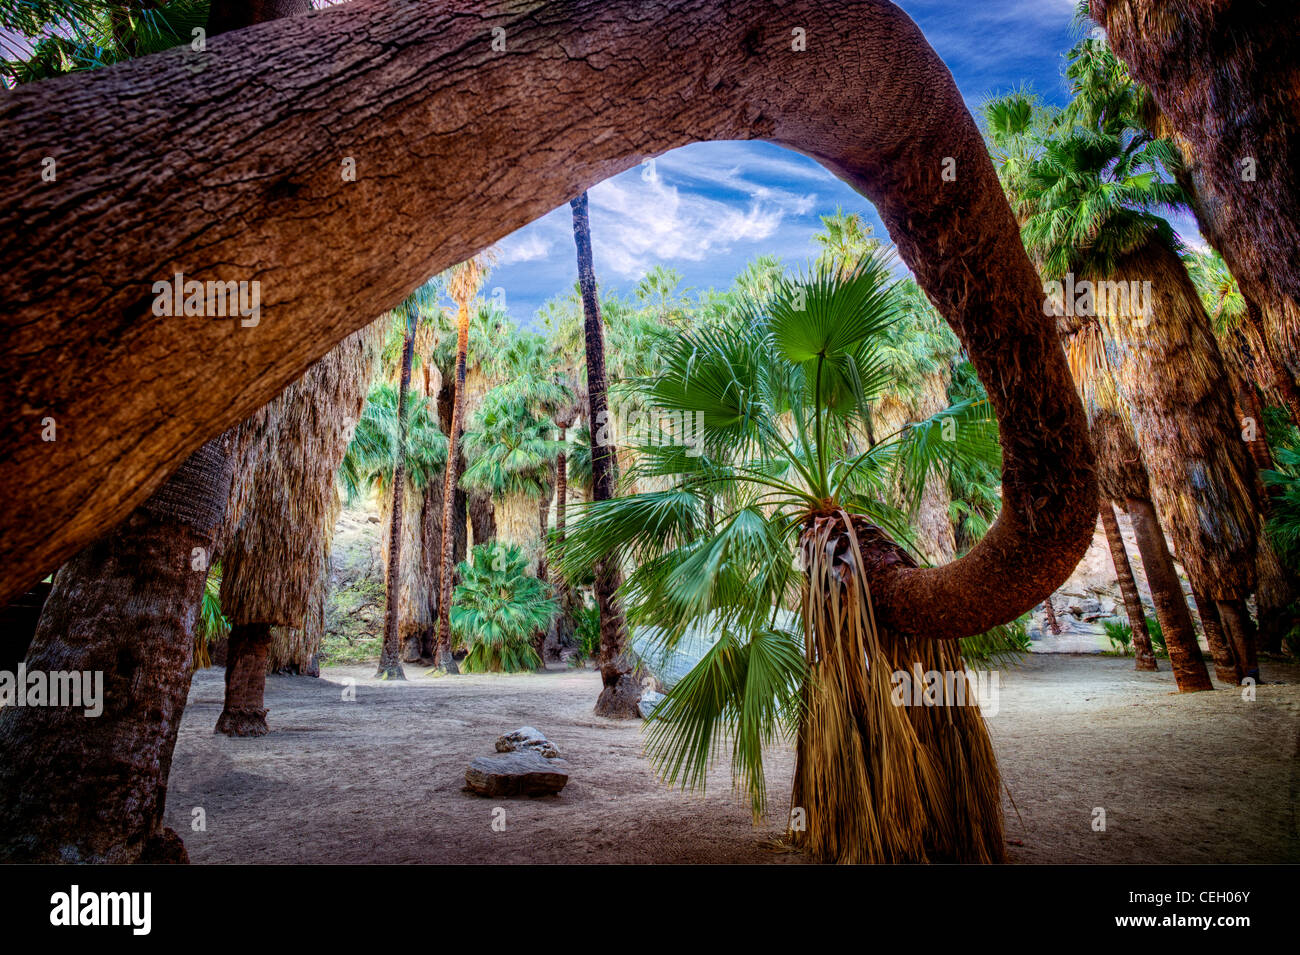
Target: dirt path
(1201, 778)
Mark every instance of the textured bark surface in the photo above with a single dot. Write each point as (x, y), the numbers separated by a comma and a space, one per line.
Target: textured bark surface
(1167, 595)
(1225, 661)
(1226, 74)
(244, 713)
(1168, 369)
(389, 86)
(1137, 620)
(1240, 632)
(92, 789)
(619, 697)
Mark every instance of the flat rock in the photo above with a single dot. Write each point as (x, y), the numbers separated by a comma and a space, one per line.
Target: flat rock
(527, 738)
(520, 773)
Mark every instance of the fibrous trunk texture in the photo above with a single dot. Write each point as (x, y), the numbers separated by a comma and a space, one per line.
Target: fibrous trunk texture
(252, 207)
(275, 550)
(1226, 75)
(620, 693)
(1171, 376)
(883, 775)
(1142, 649)
(1226, 668)
(75, 788)
(1167, 594)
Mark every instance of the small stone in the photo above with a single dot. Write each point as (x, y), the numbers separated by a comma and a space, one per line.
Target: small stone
(527, 738)
(520, 773)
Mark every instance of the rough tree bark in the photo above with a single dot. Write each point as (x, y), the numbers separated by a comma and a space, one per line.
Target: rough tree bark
(244, 713)
(78, 789)
(1225, 661)
(1226, 74)
(262, 183)
(1137, 620)
(620, 692)
(1167, 594)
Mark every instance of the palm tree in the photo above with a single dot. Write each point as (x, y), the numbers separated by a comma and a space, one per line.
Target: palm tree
(370, 466)
(390, 656)
(463, 282)
(1088, 202)
(620, 693)
(128, 604)
(513, 452)
(498, 608)
(275, 548)
(805, 498)
(1225, 84)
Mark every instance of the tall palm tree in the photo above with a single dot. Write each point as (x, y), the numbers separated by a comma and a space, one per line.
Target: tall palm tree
(370, 466)
(1225, 78)
(1089, 203)
(802, 505)
(275, 547)
(620, 692)
(128, 605)
(463, 282)
(390, 656)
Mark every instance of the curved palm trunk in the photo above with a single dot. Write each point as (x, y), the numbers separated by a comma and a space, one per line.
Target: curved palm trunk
(1167, 594)
(121, 612)
(390, 656)
(450, 482)
(621, 694)
(303, 70)
(1142, 650)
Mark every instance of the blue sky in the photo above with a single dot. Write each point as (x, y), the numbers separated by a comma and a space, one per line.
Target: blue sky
(711, 207)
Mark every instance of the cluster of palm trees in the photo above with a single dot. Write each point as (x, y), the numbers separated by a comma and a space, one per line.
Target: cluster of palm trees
(846, 444)
(1156, 342)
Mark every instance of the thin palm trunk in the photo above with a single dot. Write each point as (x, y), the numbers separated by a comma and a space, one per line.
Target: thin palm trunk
(1050, 613)
(1137, 620)
(74, 789)
(390, 656)
(564, 624)
(1240, 631)
(444, 657)
(1167, 594)
(1226, 669)
(620, 694)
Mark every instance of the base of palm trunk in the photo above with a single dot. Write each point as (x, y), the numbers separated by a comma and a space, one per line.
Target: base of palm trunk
(620, 697)
(448, 662)
(883, 776)
(244, 713)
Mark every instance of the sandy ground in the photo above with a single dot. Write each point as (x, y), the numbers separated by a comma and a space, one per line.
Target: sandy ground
(1199, 778)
